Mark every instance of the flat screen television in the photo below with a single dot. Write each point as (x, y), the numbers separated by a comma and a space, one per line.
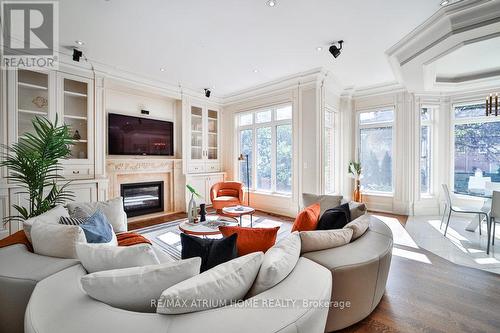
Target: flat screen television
(128, 135)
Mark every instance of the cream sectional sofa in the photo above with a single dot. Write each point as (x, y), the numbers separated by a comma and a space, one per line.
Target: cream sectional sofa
(356, 272)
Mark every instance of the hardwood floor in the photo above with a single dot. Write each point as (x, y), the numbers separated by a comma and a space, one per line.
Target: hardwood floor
(439, 296)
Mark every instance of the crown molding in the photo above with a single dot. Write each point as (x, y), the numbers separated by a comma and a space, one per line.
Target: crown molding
(282, 84)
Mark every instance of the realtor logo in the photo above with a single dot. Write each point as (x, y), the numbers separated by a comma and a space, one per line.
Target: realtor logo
(29, 34)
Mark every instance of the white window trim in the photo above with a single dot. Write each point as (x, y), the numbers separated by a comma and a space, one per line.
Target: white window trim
(336, 151)
(254, 126)
(359, 126)
(432, 140)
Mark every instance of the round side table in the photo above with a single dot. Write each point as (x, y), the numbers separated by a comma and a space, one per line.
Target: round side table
(239, 211)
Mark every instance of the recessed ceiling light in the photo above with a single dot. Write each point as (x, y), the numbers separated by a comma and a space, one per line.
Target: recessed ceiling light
(444, 2)
(162, 69)
(271, 3)
(79, 42)
(256, 70)
(319, 48)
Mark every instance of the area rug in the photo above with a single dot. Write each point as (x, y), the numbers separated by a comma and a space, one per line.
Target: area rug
(167, 235)
(459, 246)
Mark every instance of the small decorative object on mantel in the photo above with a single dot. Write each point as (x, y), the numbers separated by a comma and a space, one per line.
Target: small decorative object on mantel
(489, 105)
(355, 172)
(77, 135)
(192, 211)
(40, 102)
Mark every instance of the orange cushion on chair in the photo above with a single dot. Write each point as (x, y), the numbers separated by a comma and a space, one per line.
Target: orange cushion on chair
(307, 219)
(251, 239)
(228, 192)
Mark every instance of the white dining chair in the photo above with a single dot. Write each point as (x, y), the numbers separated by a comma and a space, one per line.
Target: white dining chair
(450, 208)
(494, 214)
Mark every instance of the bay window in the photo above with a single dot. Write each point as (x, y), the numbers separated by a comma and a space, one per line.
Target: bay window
(375, 146)
(476, 148)
(266, 137)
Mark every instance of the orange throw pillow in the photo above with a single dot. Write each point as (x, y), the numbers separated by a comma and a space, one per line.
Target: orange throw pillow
(307, 220)
(251, 239)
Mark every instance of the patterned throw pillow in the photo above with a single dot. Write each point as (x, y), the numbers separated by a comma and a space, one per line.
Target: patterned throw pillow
(71, 220)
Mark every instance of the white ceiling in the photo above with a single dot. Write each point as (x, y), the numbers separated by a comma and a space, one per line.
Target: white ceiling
(478, 58)
(219, 43)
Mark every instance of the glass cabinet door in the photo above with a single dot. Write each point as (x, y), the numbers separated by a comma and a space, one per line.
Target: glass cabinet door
(32, 100)
(75, 115)
(212, 132)
(196, 133)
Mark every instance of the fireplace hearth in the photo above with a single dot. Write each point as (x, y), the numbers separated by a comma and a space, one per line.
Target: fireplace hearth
(142, 198)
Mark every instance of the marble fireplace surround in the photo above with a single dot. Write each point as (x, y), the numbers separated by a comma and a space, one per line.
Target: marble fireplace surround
(135, 170)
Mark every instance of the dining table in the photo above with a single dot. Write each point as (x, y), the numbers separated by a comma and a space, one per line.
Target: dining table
(487, 195)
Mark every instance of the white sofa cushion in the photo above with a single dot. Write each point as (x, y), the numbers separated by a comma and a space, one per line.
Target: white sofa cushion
(216, 287)
(138, 288)
(278, 262)
(112, 209)
(318, 240)
(325, 201)
(359, 226)
(102, 257)
(56, 240)
(52, 217)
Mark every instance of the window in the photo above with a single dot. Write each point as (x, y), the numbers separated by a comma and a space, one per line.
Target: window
(426, 119)
(266, 137)
(477, 148)
(375, 149)
(329, 151)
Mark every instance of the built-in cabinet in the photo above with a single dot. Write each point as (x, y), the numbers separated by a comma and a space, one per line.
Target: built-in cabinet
(203, 183)
(202, 149)
(55, 95)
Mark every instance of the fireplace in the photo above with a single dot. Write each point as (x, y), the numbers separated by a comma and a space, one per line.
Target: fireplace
(142, 198)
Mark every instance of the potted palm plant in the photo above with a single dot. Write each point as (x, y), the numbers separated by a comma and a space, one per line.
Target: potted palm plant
(33, 164)
(355, 171)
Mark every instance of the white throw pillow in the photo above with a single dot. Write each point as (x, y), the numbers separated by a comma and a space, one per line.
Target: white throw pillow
(56, 240)
(318, 240)
(102, 257)
(138, 288)
(326, 201)
(112, 209)
(52, 217)
(359, 226)
(278, 262)
(216, 287)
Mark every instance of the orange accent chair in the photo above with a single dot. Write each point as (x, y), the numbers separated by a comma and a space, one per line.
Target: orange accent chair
(225, 194)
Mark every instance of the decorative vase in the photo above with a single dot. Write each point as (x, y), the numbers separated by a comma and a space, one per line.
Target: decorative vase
(77, 135)
(192, 213)
(356, 196)
(203, 212)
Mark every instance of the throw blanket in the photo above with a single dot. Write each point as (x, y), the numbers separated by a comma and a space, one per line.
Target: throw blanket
(124, 239)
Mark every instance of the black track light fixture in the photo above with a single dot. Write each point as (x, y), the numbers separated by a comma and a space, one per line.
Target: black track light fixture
(335, 50)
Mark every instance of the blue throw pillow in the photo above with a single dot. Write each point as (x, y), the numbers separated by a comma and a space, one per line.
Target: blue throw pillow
(97, 228)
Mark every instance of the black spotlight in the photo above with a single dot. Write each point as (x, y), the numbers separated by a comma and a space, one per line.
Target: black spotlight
(207, 93)
(77, 54)
(334, 50)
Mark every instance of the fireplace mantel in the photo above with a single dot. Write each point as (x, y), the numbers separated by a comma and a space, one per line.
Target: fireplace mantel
(134, 170)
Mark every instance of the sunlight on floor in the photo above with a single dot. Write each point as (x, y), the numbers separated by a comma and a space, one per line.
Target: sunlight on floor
(459, 241)
(487, 261)
(169, 238)
(411, 255)
(400, 235)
